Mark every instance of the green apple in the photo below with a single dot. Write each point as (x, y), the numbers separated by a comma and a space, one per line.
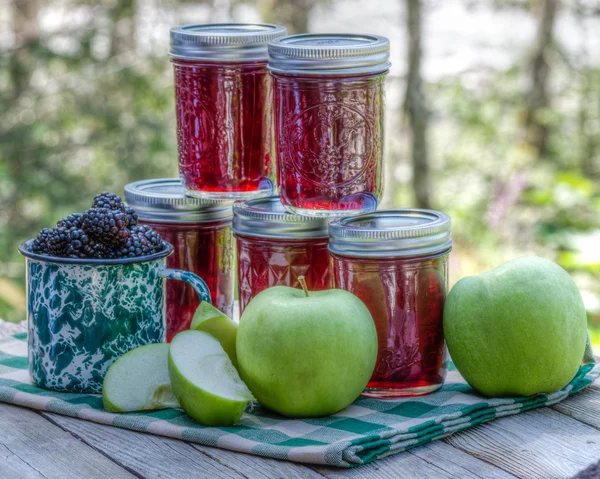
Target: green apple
(204, 381)
(139, 380)
(517, 330)
(306, 354)
(212, 321)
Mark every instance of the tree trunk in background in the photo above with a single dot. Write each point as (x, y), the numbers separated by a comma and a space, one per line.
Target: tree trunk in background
(537, 98)
(26, 30)
(415, 107)
(589, 107)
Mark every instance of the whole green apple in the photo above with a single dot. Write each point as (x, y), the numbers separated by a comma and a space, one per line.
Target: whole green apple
(306, 354)
(517, 330)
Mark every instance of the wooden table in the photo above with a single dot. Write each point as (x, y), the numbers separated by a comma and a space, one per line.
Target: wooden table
(545, 443)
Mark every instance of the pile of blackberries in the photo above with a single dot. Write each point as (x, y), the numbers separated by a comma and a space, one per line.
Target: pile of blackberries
(108, 230)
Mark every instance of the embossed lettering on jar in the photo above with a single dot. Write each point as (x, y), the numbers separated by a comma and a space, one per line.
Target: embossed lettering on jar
(200, 232)
(396, 262)
(223, 102)
(329, 121)
(275, 247)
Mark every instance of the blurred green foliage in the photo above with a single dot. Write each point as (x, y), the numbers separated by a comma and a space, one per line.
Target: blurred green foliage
(506, 200)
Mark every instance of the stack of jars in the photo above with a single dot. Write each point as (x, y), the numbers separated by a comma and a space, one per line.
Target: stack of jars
(246, 95)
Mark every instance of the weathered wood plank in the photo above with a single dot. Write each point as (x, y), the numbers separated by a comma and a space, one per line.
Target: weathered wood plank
(456, 462)
(584, 406)
(148, 455)
(536, 444)
(435, 460)
(32, 447)
(256, 467)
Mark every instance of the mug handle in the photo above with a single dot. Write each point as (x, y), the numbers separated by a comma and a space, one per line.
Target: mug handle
(194, 280)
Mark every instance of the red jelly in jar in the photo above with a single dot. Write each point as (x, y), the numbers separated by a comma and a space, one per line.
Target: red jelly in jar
(200, 232)
(328, 97)
(223, 102)
(396, 262)
(275, 247)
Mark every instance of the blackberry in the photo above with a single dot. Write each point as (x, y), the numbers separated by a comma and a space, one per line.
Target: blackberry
(57, 241)
(52, 242)
(132, 217)
(71, 221)
(114, 202)
(143, 241)
(106, 226)
(108, 200)
(98, 250)
(76, 243)
(40, 243)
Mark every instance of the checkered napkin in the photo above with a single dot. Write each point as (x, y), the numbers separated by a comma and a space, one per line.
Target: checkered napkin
(367, 430)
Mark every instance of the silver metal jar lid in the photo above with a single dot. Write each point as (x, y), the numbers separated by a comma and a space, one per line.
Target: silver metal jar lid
(221, 42)
(329, 54)
(391, 233)
(164, 200)
(267, 218)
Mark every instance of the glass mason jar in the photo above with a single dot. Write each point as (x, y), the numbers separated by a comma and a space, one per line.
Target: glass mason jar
(200, 232)
(275, 247)
(223, 103)
(396, 262)
(328, 94)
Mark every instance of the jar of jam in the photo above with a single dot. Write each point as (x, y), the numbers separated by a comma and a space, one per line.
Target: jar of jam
(396, 262)
(328, 94)
(275, 247)
(200, 232)
(223, 103)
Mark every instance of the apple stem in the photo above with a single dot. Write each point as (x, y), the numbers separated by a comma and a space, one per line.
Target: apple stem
(302, 282)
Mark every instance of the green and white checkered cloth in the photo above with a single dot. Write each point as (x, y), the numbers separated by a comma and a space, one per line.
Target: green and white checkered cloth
(367, 430)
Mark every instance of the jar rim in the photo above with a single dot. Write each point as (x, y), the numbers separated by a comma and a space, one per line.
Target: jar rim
(164, 200)
(222, 42)
(329, 54)
(391, 233)
(267, 218)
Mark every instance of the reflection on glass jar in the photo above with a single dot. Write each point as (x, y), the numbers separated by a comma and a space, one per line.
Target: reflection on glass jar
(329, 105)
(200, 232)
(396, 262)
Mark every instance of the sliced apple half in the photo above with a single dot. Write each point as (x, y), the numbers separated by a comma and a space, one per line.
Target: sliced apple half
(139, 381)
(212, 321)
(204, 380)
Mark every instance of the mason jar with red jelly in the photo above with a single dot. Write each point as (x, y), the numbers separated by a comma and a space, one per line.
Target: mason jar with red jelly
(200, 232)
(396, 262)
(276, 247)
(328, 97)
(223, 106)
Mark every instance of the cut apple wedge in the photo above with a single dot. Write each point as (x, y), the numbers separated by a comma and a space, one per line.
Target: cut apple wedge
(212, 321)
(139, 380)
(204, 380)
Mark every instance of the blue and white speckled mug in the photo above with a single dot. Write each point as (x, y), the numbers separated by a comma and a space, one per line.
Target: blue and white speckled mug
(85, 313)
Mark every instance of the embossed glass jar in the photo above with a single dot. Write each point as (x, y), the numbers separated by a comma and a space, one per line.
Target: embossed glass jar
(223, 101)
(83, 314)
(328, 95)
(200, 232)
(396, 261)
(275, 247)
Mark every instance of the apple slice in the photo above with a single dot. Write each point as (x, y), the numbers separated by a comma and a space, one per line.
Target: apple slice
(139, 380)
(212, 321)
(204, 380)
